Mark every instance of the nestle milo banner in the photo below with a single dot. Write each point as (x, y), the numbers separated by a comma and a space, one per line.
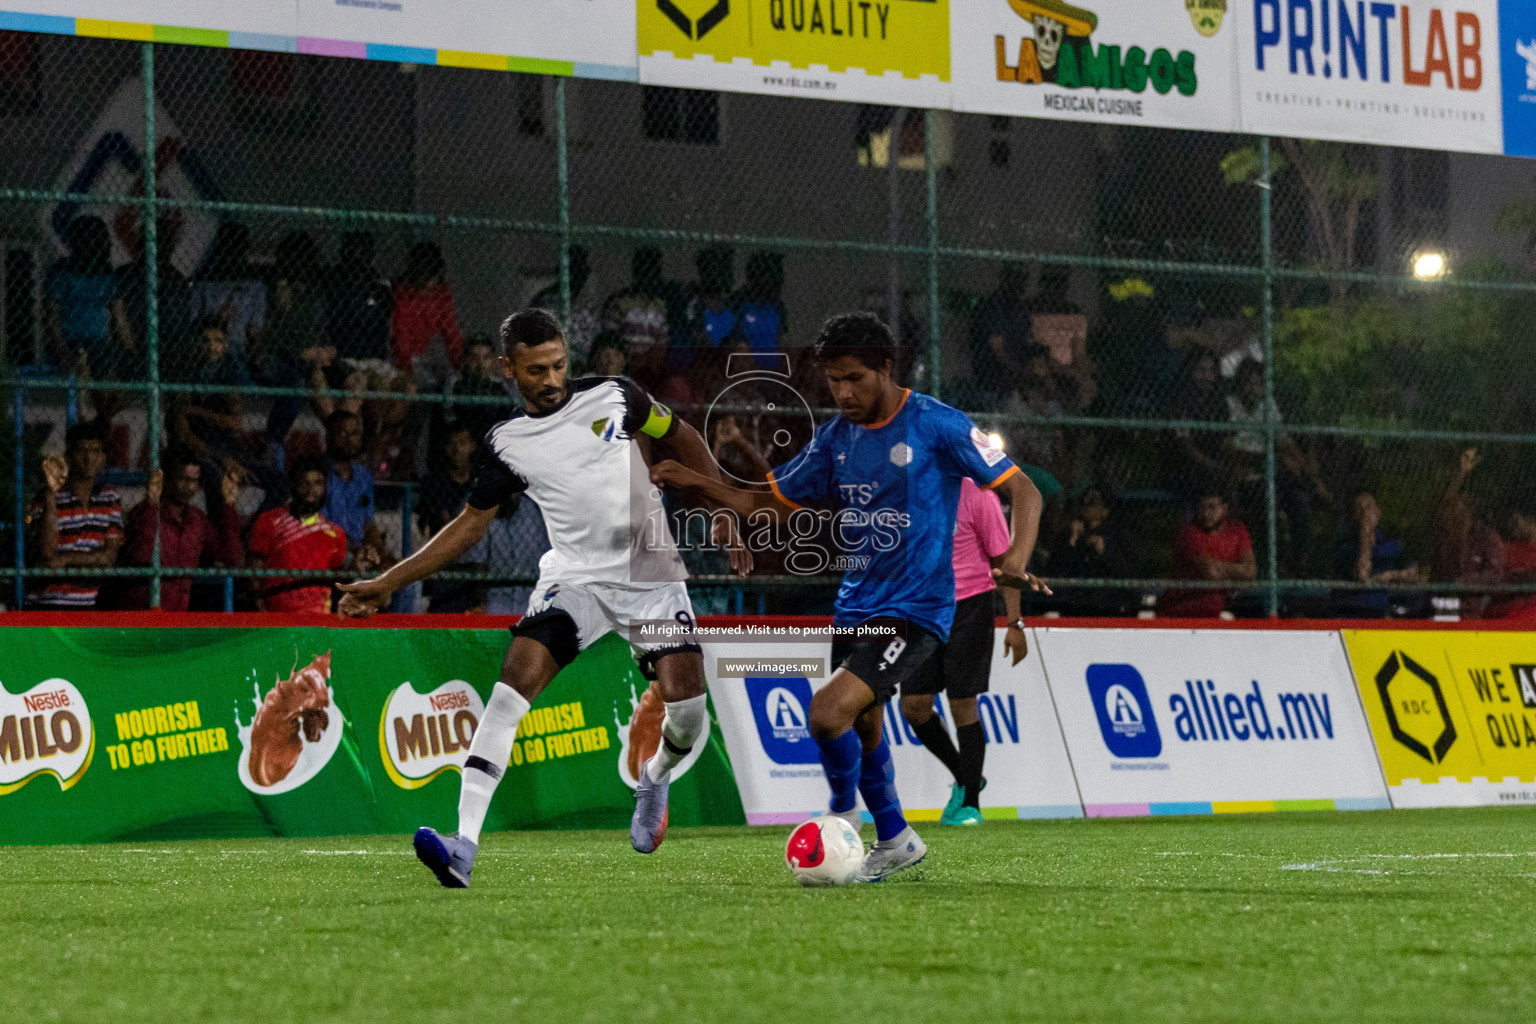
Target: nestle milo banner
(1171, 63)
(113, 734)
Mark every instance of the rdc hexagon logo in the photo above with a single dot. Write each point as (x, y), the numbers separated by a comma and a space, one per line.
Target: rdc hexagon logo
(1415, 707)
(691, 27)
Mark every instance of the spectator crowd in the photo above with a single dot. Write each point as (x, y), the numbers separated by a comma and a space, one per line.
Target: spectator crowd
(239, 487)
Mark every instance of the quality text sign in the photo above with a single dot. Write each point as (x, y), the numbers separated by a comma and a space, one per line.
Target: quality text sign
(1123, 61)
(1453, 713)
(867, 51)
(1177, 722)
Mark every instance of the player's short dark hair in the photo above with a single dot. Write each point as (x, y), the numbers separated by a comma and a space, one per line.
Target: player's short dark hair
(85, 430)
(307, 464)
(529, 327)
(863, 336)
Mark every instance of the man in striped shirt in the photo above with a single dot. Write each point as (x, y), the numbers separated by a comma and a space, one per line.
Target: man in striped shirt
(74, 523)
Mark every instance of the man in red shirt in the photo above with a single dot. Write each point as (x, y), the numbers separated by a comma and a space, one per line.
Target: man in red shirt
(1519, 561)
(423, 311)
(187, 535)
(297, 536)
(1211, 547)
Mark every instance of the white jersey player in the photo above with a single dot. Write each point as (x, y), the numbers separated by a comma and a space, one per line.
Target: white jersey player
(573, 449)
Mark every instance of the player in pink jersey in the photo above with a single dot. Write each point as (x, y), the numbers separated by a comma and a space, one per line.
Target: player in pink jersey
(963, 668)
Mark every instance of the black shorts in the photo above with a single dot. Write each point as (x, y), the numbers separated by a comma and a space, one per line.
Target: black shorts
(963, 667)
(885, 664)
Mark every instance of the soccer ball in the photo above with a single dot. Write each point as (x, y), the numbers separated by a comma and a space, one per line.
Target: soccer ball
(824, 852)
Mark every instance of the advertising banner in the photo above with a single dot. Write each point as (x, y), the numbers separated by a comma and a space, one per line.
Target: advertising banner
(1122, 61)
(864, 51)
(1453, 713)
(1186, 722)
(123, 734)
(592, 38)
(1517, 63)
(779, 774)
(1422, 73)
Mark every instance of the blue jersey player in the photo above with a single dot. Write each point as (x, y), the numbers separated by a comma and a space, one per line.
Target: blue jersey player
(886, 472)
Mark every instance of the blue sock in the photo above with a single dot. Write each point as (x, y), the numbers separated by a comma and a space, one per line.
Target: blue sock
(840, 760)
(877, 782)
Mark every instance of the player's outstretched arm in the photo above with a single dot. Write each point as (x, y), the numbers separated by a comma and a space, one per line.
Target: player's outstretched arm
(742, 502)
(695, 455)
(362, 599)
(1012, 569)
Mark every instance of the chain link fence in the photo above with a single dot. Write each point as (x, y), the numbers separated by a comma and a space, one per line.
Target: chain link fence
(1317, 334)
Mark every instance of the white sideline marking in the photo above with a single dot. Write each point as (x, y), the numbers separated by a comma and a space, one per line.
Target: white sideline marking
(1336, 865)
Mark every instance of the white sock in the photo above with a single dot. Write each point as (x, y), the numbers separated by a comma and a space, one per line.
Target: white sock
(488, 755)
(683, 724)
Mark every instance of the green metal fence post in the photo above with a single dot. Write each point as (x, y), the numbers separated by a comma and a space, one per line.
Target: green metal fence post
(932, 172)
(1272, 566)
(563, 184)
(151, 217)
(20, 483)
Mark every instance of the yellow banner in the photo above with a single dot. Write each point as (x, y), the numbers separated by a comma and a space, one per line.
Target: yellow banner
(1449, 704)
(908, 37)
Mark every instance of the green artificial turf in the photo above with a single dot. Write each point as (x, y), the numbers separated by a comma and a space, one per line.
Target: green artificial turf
(1408, 915)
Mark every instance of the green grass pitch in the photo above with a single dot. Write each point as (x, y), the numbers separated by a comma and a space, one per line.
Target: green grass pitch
(1421, 915)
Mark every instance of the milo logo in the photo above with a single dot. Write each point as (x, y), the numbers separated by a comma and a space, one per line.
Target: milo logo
(422, 735)
(46, 729)
(1061, 51)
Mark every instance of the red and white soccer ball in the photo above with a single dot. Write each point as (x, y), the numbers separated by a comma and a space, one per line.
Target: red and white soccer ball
(824, 852)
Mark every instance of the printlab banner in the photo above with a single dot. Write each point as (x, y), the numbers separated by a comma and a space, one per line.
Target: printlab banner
(1422, 73)
(1125, 61)
(120, 734)
(1454, 713)
(778, 771)
(864, 51)
(1183, 722)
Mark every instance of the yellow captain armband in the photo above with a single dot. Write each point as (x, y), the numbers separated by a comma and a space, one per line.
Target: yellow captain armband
(659, 422)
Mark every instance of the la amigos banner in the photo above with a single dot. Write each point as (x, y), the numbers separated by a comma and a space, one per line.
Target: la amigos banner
(1121, 61)
(123, 734)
